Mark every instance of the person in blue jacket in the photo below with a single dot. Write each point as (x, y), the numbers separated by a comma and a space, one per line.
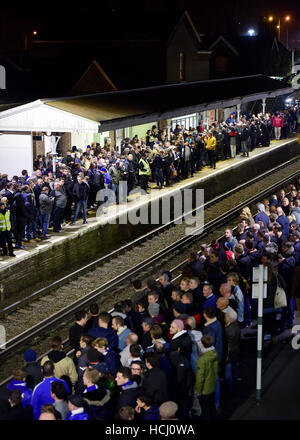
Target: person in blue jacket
(261, 216)
(76, 407)
(145, 408)
(210, 300)
(103, 331)
(42, 392)
(213, 327)
(18, 382)
(109, 356)
(283, 221)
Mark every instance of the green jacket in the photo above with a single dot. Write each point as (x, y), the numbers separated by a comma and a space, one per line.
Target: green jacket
(207, 372)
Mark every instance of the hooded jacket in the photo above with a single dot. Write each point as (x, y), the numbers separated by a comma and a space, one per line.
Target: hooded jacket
(207, 372)
(97, 400)
(261, 216)
(64, 366)
(182, 341)
(296, 213)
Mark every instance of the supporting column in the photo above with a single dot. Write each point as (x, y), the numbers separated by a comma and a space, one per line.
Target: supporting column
(238, 109)
(264, 105)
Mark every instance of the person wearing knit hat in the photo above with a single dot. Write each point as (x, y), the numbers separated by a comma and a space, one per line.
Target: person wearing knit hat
(180, 338)
(76, 407)
(30, 355)
(32, 368)
(153, 310)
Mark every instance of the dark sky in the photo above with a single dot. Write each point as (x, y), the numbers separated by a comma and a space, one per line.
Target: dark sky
(212, 16)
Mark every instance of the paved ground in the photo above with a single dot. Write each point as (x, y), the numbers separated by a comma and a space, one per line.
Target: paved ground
(280, 383)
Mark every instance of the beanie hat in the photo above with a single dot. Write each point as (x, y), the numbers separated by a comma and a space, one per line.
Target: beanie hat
(76, 400)
(179, 323)
(92, 355)
(30, 355)
(103, 169)
(153, 309)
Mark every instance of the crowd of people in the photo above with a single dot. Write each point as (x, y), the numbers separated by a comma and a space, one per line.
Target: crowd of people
(170, 351)
(29, 203)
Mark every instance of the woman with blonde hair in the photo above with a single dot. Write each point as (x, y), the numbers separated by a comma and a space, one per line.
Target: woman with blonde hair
(246, 213)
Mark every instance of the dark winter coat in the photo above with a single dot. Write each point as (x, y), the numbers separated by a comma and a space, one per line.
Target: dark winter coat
(155, 385)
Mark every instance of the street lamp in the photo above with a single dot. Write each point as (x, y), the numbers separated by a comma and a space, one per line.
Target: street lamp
(287, 19)
(251, 32)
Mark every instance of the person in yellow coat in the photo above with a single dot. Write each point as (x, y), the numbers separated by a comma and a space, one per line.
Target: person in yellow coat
(211, 144)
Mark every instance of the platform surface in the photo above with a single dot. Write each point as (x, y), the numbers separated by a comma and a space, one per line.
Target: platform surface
(134, 201)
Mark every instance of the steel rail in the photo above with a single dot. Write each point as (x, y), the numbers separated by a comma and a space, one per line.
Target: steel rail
(108, 257)
(81, 303)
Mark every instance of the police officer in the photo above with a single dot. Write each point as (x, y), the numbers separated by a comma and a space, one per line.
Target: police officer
(5, 231)
(144, 171)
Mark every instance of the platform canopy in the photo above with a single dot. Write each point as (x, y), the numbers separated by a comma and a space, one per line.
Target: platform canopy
(120, 109)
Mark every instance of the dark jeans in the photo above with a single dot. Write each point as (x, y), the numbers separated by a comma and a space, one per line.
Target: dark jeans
(5, 239)
(159, 177)
(79, 204)
(208, 407)
(30, 230)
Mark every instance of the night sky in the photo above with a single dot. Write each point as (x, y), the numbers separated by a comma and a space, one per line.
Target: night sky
(58, 19)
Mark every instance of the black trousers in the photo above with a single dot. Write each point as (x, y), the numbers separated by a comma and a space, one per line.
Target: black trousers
(5, 239)
(20, 230)
(208, 407)
(58, 218)
(144, 181)
(212, 158)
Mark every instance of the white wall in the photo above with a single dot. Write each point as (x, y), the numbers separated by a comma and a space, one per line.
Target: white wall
(15, 154)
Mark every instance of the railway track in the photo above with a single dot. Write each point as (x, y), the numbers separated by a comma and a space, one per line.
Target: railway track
(32, 319)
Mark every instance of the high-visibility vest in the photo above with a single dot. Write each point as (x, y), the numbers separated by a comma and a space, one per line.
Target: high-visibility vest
(147, 166)
(5, 221)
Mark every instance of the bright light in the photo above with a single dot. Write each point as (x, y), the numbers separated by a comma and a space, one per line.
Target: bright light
(278, 27)
(288, 100)
(270, 18)
(287, 18)
(251, 32)
(34, 32)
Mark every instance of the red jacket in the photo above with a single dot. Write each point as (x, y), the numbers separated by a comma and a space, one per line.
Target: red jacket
(277, 121)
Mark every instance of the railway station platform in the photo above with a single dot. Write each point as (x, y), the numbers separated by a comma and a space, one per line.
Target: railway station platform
(47, 260)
